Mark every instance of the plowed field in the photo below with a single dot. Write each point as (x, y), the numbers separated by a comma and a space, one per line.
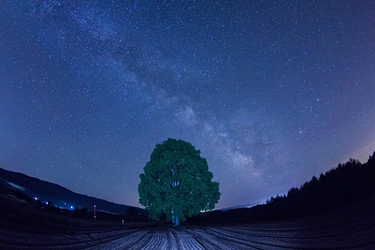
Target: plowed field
(348, 228)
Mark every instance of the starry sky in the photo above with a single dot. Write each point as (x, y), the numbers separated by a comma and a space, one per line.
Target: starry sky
(271, 92)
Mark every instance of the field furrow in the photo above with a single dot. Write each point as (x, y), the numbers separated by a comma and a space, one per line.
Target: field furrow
(206, 240)
(187, 241)
(126, 242)
(157, 241)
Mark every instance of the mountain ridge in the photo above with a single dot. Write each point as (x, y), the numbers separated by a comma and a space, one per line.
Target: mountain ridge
(60, 196)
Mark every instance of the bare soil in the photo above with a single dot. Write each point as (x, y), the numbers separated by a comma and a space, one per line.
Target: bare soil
(25, 227)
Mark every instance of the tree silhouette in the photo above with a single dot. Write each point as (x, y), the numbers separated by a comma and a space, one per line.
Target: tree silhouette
(177, 183)
(346, 184)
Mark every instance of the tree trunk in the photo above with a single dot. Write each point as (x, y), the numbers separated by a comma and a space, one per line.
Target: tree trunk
(175, 219)
(176, 222)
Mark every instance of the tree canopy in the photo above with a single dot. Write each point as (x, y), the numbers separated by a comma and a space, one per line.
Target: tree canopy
(176, 182)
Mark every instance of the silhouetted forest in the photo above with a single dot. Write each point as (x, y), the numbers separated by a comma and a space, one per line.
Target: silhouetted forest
(346, 184)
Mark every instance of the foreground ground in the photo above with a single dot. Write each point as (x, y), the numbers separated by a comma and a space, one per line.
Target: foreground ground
(352, 227)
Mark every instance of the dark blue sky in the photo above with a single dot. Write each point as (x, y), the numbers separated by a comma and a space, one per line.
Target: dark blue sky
(272, 93)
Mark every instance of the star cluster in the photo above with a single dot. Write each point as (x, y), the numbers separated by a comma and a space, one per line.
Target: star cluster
(272, 93)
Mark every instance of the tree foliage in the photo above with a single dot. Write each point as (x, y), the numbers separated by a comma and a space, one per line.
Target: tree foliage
(176, 182)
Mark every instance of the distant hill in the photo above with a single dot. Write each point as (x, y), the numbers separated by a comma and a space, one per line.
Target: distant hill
(58, 195)
(249, 205)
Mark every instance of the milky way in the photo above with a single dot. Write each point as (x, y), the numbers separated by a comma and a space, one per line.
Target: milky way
(272, 93)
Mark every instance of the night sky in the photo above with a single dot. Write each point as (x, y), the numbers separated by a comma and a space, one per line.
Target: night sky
(271, 92)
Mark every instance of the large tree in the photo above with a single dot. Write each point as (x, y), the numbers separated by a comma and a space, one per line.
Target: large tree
(177, 183)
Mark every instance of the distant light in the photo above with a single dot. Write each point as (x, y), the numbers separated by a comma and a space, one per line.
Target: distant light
(71, 207)
(35, 198)
(46, 202)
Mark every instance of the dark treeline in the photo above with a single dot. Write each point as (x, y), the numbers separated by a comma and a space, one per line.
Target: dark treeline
(346, 184)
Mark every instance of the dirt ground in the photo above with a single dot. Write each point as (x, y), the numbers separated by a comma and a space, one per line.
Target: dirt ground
(25, 227)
